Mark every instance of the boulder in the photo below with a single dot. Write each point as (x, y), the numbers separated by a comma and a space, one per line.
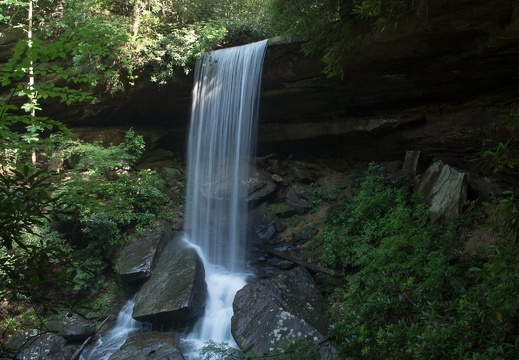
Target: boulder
(303, 172)
(176, 291)
(445, 190)
(136, 260)
(37, 345)
(273, 311)
(299, 198)
(150, 346)
(70, 326)
(259, 187)
(411, 162)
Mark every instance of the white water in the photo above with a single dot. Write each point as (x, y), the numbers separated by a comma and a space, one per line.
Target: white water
(220, 145)
(113, 339)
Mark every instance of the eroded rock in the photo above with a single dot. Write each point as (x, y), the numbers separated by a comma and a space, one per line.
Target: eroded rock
(299, 199)
(37, 345)
(272, 311)
(259, 187)
(135, 261)
(176, 291)
(70, 326)
(445, 190)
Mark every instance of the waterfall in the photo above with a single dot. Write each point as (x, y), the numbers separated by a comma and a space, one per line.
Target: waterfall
(220, 147)
(221, 138)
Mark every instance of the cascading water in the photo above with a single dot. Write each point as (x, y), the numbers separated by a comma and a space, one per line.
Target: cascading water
(220, 145)
(110, 342)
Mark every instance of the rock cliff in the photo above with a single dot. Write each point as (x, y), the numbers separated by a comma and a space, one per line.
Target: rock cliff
(438, 81)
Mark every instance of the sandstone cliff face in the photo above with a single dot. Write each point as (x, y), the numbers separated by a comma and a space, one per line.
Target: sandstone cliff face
(438, 82)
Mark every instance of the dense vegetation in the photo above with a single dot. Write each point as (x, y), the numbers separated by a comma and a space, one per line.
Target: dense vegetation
(411, 291)
(329, 27)
(59, 232)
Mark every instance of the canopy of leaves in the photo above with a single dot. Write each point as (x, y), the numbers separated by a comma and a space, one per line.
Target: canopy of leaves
(326, 25)
(112, 42)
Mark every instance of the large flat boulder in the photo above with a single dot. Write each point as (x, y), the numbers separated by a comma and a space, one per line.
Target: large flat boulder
(271, 312)
(176, 291)
(70, 326)
(37, 345)
(136, 260)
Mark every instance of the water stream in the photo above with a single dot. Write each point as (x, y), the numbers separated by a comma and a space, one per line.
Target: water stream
(220, 147)
(113, 339)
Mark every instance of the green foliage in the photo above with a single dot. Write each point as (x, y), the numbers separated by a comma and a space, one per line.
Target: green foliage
(25, 202)
(408, 295)
(105, 197)
(30, 276)
(107, 302)
(100, 160)
(111, 44)
(326, 25)
(503, 156)
(32, 257)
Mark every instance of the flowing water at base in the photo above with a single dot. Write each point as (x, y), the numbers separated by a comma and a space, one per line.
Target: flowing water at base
(113, 339)
(215, 325)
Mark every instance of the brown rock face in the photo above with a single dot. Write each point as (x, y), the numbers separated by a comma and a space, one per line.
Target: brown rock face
(433, 83)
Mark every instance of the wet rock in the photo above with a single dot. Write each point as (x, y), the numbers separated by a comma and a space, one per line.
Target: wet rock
(259, 188)
(266, 226)
(150, 346)
(176, 291)
(37, 345)
(303, 172)
(136, 260)
(265, 232)
(445, 190)
(272, 311)
(299, 199)
(70, 326)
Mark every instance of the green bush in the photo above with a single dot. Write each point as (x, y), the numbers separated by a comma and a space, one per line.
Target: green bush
(104, 200)
(408, 295)
(105, 197)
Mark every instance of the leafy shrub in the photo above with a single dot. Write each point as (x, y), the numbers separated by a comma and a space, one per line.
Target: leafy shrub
(105, 197)
(25, 201)
(408, 295)
(30, 278)
(103, 201)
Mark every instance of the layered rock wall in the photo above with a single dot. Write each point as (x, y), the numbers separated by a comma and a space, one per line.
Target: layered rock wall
(438, 82)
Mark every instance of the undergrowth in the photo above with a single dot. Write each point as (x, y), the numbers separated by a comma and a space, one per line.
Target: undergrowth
(409, 294)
